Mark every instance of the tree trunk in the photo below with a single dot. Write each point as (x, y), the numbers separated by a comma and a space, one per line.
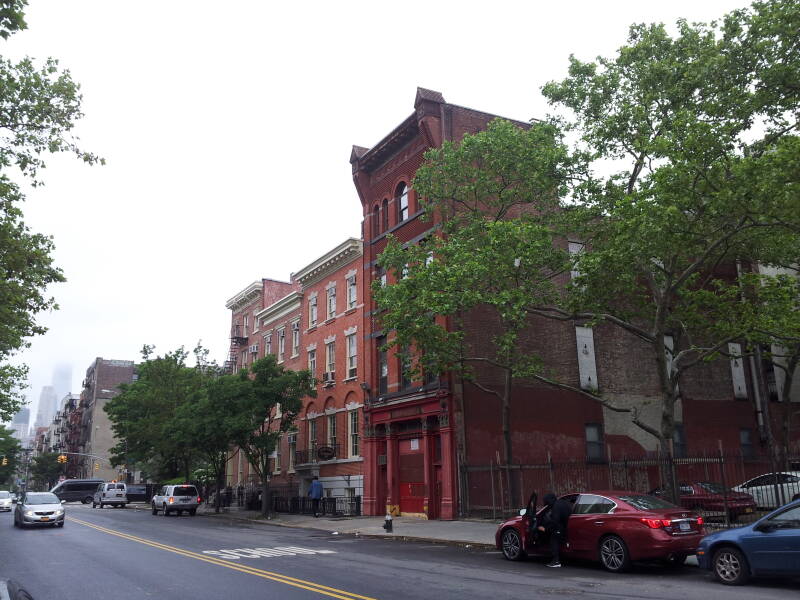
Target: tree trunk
(511, 481)
(218, 495)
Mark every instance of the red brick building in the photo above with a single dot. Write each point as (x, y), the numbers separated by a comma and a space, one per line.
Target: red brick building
(423, 439)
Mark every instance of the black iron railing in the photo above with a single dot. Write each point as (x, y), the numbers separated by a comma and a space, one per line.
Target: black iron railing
(342, 506)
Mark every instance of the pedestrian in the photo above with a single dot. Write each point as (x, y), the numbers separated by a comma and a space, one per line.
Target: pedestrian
(315, 493)
(554, 521)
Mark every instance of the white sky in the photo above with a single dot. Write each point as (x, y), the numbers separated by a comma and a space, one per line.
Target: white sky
(227, 128)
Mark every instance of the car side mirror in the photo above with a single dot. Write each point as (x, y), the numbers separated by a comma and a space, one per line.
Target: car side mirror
(765, 527)
(63, 502)
(522, 512)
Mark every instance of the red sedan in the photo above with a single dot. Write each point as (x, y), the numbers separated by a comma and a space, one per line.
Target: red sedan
(713, 498)
(614, 528)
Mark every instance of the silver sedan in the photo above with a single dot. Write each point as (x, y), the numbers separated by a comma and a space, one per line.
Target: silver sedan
(39, 508)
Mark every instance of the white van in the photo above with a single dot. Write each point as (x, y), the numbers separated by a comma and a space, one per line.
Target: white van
(112, 493)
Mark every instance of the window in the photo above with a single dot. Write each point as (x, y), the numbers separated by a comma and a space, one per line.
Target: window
(312, 311)
(244, 320)
(292, 450)
(575, 250)
(331, 301)
(353, 422)
(295, 338)
(375, 220)
(352, 358)
(380, 275)
(281, 343)
(679, 441)
(403, 365)
(268, 344)
(385, 215)
(352, 292)
(312, 435)
(330, 360)
(746, 440)
(383, 365)
(244, 359)
(401, 197)
(594, 443)
(312, 362)
(589, 504)
(278, 455)
(332, 431)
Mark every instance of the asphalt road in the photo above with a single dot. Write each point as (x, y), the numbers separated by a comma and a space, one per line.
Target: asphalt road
(121, 554)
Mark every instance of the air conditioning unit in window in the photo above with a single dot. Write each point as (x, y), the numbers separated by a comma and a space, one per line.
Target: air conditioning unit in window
(328, 379)
(254, 349)
(352, 372)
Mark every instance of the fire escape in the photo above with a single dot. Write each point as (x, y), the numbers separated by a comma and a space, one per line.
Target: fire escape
(238, 341)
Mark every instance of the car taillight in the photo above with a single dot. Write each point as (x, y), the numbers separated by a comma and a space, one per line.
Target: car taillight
(171, 499)
(199, 500)
(656, 523)
(700, 520)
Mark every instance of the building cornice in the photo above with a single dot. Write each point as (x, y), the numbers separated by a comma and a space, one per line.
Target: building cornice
(281, 308)
(344, 253)
(245, 297)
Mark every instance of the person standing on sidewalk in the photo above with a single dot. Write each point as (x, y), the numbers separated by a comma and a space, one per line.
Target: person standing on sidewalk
(315, 493)
(554, 521)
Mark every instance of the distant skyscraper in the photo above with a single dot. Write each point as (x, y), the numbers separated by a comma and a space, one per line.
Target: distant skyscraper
(62, 381)
(48, 404)
(23, 416)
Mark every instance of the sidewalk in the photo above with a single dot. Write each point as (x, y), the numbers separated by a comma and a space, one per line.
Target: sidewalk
(471, 533)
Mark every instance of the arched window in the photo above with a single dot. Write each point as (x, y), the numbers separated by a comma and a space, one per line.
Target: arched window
(376, 220)
(385, 215)
(401, 197)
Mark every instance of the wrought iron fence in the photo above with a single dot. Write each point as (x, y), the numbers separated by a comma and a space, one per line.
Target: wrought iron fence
(339, 506)
(726, 489)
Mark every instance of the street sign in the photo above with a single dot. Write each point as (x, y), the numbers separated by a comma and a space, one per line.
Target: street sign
(325, 453)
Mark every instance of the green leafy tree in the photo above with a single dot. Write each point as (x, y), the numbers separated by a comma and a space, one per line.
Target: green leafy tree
(266, 409)
(143, 415)
(10, 450)
(38, 108)
(45, 469)
(701, 129)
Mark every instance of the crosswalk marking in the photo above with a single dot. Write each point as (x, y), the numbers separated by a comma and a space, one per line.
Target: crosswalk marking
(237, 553)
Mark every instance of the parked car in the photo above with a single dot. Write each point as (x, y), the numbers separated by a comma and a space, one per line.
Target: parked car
(137, 493)
(114, 494)
(5, 500)
(763, 488)
(770, 546)
(76, 489)
(39, 508)
(176, 498)
(615, 528)
(710, 497)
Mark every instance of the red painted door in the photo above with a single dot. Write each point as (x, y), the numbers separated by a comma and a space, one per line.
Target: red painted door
(412, 483)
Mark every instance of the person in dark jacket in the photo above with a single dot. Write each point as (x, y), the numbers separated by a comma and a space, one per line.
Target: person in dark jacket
(315, 493)
(554, 521)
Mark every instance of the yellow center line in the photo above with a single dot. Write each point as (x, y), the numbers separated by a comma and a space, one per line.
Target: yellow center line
(280, 578)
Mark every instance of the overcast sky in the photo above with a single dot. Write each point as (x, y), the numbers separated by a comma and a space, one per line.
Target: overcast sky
(227, 128)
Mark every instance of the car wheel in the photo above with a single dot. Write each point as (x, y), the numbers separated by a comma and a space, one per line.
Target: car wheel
(166, 512)
(122, 506)
(511, 543)
(730, 566)
(675, 560)
(102, 505)
(614, 555)
(193, 511)
(16, 524)
(94, 504)
(86, 500)
(155, 510)
(61, 524)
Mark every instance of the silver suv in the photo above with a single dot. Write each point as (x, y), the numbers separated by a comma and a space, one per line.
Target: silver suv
(176, 498)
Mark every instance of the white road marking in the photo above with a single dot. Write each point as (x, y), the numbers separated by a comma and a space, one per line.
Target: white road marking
(237, 553)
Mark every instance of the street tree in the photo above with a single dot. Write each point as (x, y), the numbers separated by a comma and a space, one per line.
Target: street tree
(9, 454)
(266, 409)
(44, 470)
(39, 105)
(706, 121)
(143, 415)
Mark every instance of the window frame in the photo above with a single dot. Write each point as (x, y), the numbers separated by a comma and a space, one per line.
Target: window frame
(313, 314)
(402, 199)
(599, 453)
(351, 348)
(353, 434)
(295, 339)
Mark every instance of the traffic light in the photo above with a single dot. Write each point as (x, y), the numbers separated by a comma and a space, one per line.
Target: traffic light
(5, 461)
(97, 466)
(62, 458)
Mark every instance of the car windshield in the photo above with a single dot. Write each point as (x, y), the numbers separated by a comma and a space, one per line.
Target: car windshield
(42, 499)
(645, 502)
(184, 491)
(5, 495)
(713, 488)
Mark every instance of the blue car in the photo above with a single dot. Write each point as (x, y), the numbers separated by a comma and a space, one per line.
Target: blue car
(770, 546)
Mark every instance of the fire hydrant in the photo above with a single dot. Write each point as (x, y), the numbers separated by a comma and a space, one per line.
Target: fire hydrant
(387, 523)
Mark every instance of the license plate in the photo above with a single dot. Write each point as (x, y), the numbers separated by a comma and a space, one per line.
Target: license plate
(45, 518)
(684, 526)
(119, 495)
(748, 510)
